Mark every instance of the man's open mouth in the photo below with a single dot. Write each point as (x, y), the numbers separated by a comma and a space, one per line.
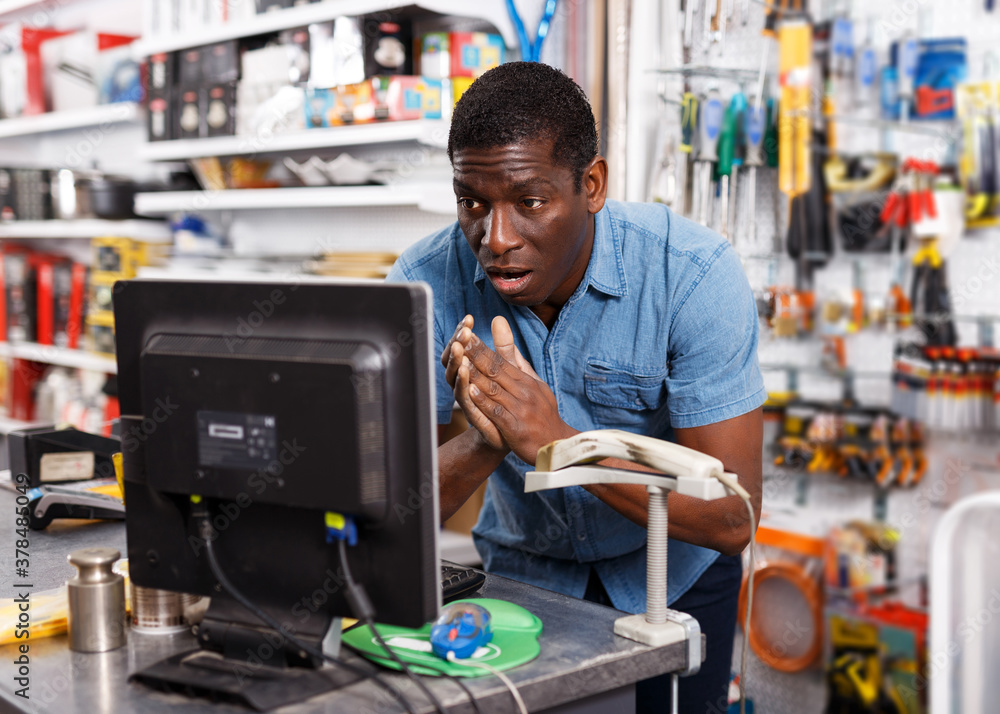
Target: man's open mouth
(509, 280)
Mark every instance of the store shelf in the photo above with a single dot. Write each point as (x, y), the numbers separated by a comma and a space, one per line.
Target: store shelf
(494, 12)
(59, 356)
(75, 119)
(432, 132)
(436, 197)
(146, 230)
(7, 425)
(10, 8)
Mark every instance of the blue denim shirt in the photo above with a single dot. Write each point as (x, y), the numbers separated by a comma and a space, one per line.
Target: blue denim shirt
(661, 333)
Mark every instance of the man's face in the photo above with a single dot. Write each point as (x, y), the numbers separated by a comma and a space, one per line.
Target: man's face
(529, 227)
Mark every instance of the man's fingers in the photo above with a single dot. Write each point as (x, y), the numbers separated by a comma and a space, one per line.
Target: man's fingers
(491, 409)
(472, 412)
(503, 339)
(456, 356)
(524, 365)
(486, 360)
(467, 321)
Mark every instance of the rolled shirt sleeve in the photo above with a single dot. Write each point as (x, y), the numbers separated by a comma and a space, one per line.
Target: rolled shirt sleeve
(713, 371)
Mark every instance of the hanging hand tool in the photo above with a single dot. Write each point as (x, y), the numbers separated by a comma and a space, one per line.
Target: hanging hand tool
(806, 223)
(532, 51)
(754, 121)
(737, 153)
(710, 117)
(866, 69)
(906, 72)
(774, 13)
(771, 160)
(689, 10)
(707, 18)
(929, 295)
(724, 168)
(689, 122)
(794, 129)
(718, 26)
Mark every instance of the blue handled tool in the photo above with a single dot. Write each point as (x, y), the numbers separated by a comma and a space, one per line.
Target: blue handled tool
(532, 51)
(754, 126)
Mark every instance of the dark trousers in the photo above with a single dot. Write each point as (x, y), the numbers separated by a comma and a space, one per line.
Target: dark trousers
(712, 601)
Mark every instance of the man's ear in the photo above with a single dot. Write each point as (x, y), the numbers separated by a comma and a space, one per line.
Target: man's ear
(595, 183)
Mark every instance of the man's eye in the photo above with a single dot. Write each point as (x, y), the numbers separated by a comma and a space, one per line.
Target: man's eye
(532, 202)
(468, 203)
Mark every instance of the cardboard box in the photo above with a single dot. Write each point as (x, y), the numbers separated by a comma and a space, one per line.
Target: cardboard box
(60, 300)
(52, 298)
(101, 333)
(161, 74)
(407, 97)
(32, 194)
(20, 296)
(187, 115)
(79, 276)
(189, 68)
(119, 77)
(31, 44)
(220, 63)
(8, 195)
(435, 55)
(474, 53)
(388, 45)
(159, 116)
(355, 104)
(319, 107)
(458, 87)
(218, 109)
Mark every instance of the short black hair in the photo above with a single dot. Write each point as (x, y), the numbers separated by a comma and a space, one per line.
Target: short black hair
(526, 100)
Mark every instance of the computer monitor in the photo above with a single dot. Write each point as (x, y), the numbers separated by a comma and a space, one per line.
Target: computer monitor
(274, 403)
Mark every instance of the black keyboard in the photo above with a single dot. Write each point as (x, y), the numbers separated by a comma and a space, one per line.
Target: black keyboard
(458, 581)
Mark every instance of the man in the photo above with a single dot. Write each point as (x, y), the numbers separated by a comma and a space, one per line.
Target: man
(577, 313)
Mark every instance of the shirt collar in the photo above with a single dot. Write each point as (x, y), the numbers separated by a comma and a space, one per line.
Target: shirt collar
(606, 270)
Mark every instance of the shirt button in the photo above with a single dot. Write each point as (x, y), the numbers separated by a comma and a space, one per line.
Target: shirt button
(581, 537)
(638, 402)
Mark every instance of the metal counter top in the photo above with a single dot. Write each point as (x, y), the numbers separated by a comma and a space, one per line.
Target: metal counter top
(580, 657)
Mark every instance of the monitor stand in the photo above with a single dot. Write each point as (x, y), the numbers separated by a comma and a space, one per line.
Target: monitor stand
(249, 664)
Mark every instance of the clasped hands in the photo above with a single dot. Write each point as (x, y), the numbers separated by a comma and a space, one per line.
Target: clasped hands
(503, 398)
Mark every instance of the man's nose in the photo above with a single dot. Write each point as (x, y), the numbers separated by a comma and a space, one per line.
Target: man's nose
(501, 235)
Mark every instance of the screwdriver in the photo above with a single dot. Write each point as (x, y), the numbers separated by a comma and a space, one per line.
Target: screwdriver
(709, 125)
(689, 121)
(689, 9)
(866, 69)
(737, 107)
(724, 168)
(771, 159)
(754, 121)
(771, 134)
(906, 70)
(794, 135)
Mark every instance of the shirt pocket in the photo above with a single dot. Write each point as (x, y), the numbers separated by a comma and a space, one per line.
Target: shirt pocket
(624, 396)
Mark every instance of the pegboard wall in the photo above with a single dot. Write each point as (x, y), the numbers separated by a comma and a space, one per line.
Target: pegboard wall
(958, 464)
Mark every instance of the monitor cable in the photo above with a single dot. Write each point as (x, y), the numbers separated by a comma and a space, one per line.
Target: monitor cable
(363, 609)
(207, 535)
